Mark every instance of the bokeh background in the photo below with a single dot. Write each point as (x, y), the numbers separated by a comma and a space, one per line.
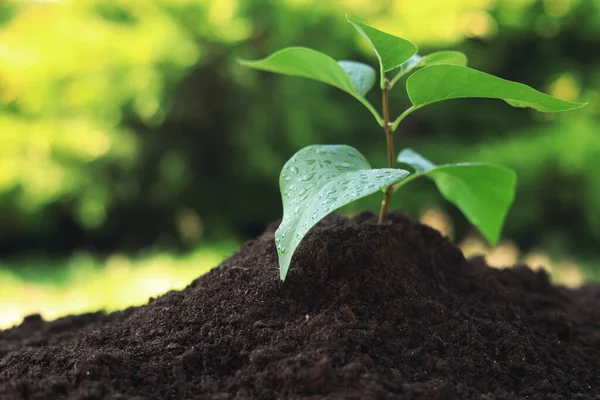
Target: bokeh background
(136, 154)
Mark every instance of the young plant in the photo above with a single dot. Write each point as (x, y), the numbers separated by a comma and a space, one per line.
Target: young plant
(322, 178)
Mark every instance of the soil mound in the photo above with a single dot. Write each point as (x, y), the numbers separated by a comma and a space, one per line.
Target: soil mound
(368, 311)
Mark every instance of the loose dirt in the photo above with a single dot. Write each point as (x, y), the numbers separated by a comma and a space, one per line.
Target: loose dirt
(367, 311)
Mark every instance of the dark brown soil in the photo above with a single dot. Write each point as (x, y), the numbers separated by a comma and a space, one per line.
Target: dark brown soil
(367, 312)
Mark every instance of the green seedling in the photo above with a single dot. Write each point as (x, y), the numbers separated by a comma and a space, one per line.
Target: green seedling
(322, 178)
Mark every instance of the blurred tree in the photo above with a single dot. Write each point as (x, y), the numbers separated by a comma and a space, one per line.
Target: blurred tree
(72, 75)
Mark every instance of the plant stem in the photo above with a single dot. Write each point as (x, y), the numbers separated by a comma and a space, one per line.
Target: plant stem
(405, 114)
(387, 128)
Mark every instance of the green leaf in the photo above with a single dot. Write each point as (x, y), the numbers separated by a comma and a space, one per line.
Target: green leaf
(362, 75)
(309, 63)
(415, 160)
(483, 192)
(391, 50)
(318, 180)
(410, 64)
(442, 82)
(441, 57)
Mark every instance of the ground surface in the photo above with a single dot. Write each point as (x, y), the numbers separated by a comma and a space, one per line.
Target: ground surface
(367, 312)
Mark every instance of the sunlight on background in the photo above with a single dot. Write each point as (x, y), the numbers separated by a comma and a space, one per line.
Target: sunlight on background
(506, 253)
(88, 89)
(85, 284)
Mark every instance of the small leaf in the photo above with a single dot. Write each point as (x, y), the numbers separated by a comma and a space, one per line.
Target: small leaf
(443, 57)
(442, 82)
(440, 57)
(362, 75)
(415, 160)
(410, 64)
(318, 180)
(391, 50)
(309, 63)
(483, 192)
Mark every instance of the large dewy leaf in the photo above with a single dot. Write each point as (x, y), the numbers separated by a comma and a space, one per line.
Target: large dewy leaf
(391, 50)
(309, 63)
(442, 82)
(483, 192)
(363, 76)
(318, 180)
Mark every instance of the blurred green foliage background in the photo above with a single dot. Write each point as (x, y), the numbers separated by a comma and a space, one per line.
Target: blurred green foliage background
(128, 130)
